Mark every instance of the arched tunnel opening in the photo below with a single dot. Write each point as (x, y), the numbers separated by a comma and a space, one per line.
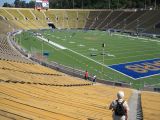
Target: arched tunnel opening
(51, 25)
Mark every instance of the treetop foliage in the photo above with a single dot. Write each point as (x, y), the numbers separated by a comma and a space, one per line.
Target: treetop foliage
(92, 4)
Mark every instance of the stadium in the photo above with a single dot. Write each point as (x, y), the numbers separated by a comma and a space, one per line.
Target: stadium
(45, 51)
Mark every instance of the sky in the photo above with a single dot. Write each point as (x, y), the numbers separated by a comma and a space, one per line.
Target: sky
(9, 1)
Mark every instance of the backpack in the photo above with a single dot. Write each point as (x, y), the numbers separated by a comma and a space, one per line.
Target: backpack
(120, 110)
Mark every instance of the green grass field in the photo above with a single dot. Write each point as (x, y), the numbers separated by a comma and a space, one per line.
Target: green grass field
(81, 45)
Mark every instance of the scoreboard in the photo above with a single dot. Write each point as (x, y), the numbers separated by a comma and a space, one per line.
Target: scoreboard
(45, 4)
(41, 4)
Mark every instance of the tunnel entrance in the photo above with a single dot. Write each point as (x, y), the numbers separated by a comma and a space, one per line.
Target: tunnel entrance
(51, 25)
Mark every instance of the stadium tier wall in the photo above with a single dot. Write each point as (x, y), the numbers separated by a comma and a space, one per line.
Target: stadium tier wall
(136, 21)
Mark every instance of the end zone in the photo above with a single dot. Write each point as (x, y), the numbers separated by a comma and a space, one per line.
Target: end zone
(138, 69)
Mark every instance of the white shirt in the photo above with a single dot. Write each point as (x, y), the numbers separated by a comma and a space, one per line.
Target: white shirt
(113, 106)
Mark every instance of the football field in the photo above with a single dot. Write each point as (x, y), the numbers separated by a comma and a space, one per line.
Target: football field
(83, 50)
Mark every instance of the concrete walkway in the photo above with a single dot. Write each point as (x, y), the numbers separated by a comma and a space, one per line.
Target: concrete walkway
(133, 101)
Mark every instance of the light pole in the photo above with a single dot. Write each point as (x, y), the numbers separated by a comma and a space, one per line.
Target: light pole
(103, 46)
(117, 4)
(145, 5)
(137, 26)
(155, 4)
(124, 25)
(82, 4)
(42, 48)
(109, 4)
(73, 4)
(21, 38)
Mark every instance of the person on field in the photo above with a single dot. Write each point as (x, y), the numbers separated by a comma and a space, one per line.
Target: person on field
(119, 107)
(94, 79)
(86, 75)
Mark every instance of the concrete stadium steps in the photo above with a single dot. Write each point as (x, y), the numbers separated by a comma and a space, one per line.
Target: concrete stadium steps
(22, 24)
(5, 14)
(141, 19)
(5, 56)
(44, 102)
(82, 16)
(127, 20)
(27, 13)
(61, 19)
(139, 115)
(110, 18)
(151, 22)
(121, 19)
(40, 24)
(101, 16)
(30, 24)
(4, 27)
(14, 24)
(150, 105)
(91, 18)
(9, 53)
(15, 13)
(72, 19)
(50, 14)
(38, 14)
(134, 15)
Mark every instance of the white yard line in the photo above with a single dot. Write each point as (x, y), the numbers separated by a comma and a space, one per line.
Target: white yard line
(62, 47)
(136, 61)
(137, 38)
(130, 57)
(52, 43)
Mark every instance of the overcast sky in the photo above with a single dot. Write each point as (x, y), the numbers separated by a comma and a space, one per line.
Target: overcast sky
(9, 1)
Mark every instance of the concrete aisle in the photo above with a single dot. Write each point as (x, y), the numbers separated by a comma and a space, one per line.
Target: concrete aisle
(133, 101)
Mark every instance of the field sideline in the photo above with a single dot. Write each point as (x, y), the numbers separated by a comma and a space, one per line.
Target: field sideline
(88, 46)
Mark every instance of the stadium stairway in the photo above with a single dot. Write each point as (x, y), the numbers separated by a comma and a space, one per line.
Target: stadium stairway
(139, 115)
(133, 101)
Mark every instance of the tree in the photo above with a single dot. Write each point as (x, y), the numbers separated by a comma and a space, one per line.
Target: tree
(31, 4)
(91, 4)
(6, 4)
(17, 3)
(23, 4)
